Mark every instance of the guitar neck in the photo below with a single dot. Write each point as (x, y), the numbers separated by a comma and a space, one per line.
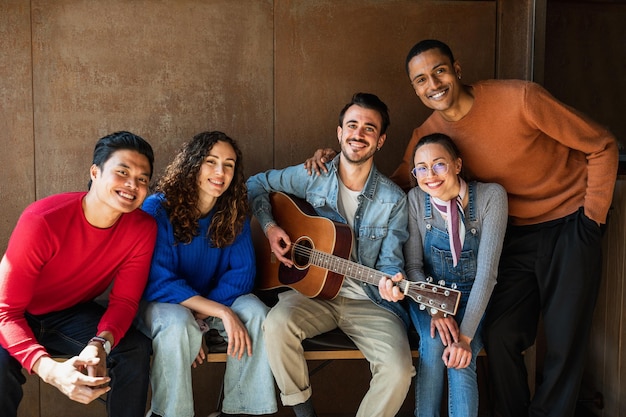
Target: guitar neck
(430, 295)
(345, 267)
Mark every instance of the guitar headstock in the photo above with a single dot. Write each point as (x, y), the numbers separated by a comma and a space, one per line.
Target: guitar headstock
(429, 295)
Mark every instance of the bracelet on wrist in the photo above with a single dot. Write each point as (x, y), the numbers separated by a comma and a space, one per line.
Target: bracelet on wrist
(268, 226)
(106, 345)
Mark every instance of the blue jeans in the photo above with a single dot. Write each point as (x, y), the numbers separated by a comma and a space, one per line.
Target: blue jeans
(176, 340)
(462, 383)
(429, 383)
(67, 332)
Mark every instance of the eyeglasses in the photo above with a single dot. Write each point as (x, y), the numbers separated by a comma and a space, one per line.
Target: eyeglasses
(438, 168)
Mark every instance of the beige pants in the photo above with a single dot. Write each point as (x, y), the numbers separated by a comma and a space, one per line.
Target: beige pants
(379, 334)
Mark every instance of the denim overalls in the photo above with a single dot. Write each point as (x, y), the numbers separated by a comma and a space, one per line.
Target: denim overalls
(438, 264)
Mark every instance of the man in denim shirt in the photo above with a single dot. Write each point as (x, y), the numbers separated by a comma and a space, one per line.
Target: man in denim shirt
(354, 192)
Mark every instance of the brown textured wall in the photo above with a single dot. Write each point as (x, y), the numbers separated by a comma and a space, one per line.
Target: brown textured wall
(585, 63)
(272, 74)
(17, 186)
(164, 70)
(586, 59)
(327, 50)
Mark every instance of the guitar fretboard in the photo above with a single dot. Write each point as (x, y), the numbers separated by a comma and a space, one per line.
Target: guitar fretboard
(430, 295)
(341, 266)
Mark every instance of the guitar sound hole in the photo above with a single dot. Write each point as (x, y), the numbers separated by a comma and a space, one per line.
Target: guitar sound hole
(302, 253)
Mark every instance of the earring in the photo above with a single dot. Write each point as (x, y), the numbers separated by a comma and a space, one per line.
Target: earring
(459, 76)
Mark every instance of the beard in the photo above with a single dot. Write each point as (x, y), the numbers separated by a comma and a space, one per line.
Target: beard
(350, 156)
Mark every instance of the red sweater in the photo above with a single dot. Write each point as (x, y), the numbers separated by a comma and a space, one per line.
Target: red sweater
(550, 159)
(55, 259)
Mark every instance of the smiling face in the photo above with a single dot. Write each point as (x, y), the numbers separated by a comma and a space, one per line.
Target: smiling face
(215, 174)
(359, 136)
(442, 186)
(436, 80)
(119, 187)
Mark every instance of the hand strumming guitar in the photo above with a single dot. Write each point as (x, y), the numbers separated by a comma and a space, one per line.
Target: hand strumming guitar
(280, 244)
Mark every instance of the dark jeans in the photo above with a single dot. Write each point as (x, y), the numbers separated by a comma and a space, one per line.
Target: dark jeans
(553, 268)
(67, 332)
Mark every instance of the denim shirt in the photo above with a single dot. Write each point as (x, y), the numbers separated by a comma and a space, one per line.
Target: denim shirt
(380, 224)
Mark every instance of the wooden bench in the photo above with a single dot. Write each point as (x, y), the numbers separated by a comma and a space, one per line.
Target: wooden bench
(328, 347)
(333, 345)
(322, 350)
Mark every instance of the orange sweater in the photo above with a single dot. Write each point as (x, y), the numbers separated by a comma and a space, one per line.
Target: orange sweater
(550, 158)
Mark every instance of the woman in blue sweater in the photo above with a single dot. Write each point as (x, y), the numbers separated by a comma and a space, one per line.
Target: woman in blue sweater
(201, 277)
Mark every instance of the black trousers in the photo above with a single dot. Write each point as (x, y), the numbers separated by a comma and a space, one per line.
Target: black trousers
(68, 332)
(552, 268)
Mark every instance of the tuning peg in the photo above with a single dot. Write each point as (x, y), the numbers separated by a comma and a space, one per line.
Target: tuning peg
(441, 282)
(429, 279)
(453, 286)
(433, 311)
(422, 307)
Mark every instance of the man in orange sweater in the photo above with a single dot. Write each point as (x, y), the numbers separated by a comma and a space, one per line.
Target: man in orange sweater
(559, 169)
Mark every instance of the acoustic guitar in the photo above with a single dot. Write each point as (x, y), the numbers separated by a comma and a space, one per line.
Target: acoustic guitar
(320, 251)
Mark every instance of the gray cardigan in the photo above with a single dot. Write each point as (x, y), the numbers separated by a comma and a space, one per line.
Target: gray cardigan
(491, 220)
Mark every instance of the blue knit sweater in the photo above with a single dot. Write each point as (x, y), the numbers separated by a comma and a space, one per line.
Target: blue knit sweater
(180, 271)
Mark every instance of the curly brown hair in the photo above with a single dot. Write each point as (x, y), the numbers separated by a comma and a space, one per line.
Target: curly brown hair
(180, 188)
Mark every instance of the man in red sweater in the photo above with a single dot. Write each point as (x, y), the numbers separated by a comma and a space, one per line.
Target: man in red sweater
(65, 251)
(559, 170)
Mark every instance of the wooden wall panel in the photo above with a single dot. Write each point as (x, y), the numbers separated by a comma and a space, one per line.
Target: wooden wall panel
(586, 59)
(328, 50)
(520, 39)
(585, 47)
(164, 70)
(168, 70)
(17, 188)
(605, 373)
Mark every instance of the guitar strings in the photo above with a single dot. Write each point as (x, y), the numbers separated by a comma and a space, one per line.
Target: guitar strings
(337, 264)
(342, 266)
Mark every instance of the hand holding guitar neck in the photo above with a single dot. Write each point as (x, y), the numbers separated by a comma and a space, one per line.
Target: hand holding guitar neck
(389, 289)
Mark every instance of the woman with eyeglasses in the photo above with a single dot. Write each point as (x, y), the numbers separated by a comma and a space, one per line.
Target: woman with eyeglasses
(456, 232)
(201, 277)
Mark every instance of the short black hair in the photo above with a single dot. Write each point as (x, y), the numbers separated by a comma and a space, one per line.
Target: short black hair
(368, 101)
(107, 145)
(427, 45)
